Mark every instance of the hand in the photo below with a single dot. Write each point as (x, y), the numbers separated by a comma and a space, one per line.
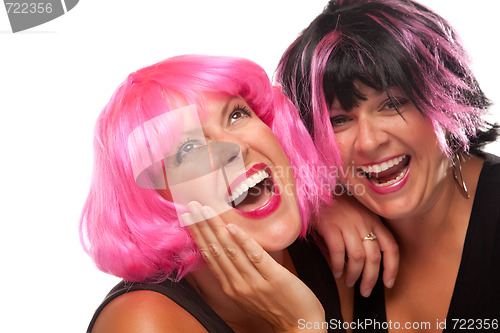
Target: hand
(343, 227)
(250, 276)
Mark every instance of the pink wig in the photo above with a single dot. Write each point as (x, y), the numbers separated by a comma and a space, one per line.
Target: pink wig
(383, 44)
(134, 233)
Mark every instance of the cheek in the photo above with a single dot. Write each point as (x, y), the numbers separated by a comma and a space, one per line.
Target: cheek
(346, 157)
(269, 139)
(265, 141)
(345, 144)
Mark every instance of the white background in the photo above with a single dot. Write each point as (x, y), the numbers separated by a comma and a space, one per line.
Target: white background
(55, 79)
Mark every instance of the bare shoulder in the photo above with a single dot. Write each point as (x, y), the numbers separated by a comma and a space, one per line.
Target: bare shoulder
(146, 312)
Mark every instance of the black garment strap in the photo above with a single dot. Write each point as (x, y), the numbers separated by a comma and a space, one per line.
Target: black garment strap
(181, 293)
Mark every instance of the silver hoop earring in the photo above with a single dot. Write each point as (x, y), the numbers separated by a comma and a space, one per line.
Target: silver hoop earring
(459, 178)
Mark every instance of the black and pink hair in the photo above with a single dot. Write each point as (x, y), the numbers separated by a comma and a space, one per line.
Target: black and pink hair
(384, 44)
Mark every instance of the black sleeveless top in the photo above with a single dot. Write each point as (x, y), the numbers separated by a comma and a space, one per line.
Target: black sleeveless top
(475, 303)
(311, 268)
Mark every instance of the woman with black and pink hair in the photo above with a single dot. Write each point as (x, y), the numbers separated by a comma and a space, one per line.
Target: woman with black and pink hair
(386, 91)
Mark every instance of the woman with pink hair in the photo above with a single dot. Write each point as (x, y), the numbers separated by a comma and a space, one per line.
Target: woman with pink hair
(385, 89)
(200, 159)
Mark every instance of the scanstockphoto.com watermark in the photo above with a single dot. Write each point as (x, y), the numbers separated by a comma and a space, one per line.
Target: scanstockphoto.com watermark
(27, 14)
(369, 325)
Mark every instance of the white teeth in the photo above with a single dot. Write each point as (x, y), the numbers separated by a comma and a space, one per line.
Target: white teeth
(247, 184)
(378, 168)
(392, 181)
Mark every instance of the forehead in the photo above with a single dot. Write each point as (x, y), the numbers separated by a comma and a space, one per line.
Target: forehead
(218, 103)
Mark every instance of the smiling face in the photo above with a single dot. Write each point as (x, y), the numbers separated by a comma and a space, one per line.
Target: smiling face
(257, 185)
(392, 163)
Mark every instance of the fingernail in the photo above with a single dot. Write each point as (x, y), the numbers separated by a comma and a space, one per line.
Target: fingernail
(350, 284)
(366, 292)
(207, 212)
(390, 283)
(192, 207)
(337, 275)
(187, 219)
(231, 229)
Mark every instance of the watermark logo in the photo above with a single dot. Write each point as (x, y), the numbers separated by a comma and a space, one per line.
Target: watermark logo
(28, 14)
(170, 153)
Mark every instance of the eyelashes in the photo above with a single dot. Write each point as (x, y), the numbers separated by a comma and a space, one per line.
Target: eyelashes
(339, 120)
(395, 103)
(186, 147)
(239, 109)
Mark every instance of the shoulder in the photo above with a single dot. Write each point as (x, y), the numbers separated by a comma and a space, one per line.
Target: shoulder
(145, 311)
(491, 168)
(492, 161)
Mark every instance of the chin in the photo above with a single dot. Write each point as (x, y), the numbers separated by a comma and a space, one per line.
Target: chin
(393, 211)
(280, 235)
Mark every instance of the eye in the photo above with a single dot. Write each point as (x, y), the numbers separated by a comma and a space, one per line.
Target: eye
(238, 113)
(339, 121)
(185, 148)
(395, 103)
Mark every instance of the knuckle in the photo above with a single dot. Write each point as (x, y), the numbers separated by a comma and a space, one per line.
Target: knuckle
(241, 289)
(392, 247)
(228, 290)
(374, 257)
(358, 255)
(370, 282)
(214, 250)
(260, 287)
(255, 257)
(205, 254)
(337, 249)
(230, 253)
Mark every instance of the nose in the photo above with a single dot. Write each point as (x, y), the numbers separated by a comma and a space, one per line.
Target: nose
(370, 135)
(223, 153)
(232, 143)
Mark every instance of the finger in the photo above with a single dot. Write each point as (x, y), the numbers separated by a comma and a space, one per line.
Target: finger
(371, 268)
(236, 261)
(260, 259)
(355, 257)
(336, 248)
(203, 247)
(194, 208)
(215, 250)
(390, 250)
(210, 248)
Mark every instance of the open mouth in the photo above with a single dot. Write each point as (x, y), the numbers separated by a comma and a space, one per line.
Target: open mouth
(388, 172)
(252, 192)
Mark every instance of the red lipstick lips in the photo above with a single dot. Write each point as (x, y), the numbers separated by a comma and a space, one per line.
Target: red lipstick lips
(256, 193)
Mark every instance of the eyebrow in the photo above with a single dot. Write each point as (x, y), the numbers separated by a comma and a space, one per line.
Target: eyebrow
(230, 100)
(225, 109)
(192, 131)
